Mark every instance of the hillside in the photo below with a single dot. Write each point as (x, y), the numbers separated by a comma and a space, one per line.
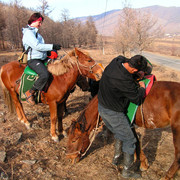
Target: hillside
(168, 17)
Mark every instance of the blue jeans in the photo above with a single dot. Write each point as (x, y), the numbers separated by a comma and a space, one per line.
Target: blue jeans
(38, 66)
(118, 124)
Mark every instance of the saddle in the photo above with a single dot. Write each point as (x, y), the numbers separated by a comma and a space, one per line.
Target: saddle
(28, 78)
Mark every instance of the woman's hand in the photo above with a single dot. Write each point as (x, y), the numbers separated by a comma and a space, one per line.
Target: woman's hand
(57, 46)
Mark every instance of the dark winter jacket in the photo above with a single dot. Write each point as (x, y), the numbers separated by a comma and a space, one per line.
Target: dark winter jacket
(118, 88)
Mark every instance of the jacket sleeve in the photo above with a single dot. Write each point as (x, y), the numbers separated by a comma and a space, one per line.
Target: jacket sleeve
(35, 43)
(134, 93)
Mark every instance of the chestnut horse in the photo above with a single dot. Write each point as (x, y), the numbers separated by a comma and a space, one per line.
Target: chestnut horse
(160, 108)
(65, 75)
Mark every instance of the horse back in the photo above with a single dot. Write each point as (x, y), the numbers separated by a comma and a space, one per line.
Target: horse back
(10, 73)
(161, 106)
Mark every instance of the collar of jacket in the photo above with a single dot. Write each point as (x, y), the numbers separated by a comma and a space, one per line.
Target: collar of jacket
(32, 28)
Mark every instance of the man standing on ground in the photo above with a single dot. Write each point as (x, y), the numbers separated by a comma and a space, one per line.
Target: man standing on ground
(117, 89)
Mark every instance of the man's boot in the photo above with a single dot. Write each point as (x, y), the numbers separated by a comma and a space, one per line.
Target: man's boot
(30, 96)
(130, 170)
(118, 156)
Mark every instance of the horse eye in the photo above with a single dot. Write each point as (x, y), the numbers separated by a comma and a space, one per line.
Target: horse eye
(90, 60)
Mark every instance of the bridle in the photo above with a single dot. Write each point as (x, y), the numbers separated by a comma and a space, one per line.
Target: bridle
(90, 68)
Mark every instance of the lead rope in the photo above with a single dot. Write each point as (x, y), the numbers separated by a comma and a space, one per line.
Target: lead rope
(142, 115)
(92, 137)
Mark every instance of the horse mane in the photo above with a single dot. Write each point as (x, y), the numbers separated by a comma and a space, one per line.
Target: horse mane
(81, 121)
(63, 65)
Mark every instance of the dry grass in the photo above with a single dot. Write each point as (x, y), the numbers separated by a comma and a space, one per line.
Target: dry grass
(167, 46)
(36, 156)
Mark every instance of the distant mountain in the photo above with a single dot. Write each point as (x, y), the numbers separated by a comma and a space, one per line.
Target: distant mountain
(168, 17)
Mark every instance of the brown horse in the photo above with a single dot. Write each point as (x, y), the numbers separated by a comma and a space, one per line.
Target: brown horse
(160, 108)
(65, 75)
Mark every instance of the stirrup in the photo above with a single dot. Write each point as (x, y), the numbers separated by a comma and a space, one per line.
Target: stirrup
(30, 101)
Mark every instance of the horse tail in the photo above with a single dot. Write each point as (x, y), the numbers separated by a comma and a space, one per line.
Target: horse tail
(7, 96)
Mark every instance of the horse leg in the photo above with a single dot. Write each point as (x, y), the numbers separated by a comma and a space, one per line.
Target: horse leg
(60, 111)
(139, 154)
(65, 108)
(176, 164)
(144, 165)
(53, 116)
(19, 109)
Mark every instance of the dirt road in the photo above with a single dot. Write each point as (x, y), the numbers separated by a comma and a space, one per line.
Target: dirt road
(168, 61)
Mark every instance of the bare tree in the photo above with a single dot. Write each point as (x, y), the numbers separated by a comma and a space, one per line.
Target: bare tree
(80, 34)
(136, 31)
(2, 27)
(44, 8)
(91, 32)
(125, 34)
(146, 31)
(17, 18)
(67, 32)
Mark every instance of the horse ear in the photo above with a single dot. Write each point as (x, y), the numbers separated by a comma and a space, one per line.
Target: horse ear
(73, 120)
(78, 126)
(79, 53)
(68, 130)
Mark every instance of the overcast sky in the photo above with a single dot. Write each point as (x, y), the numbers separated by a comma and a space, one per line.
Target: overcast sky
(79, 8)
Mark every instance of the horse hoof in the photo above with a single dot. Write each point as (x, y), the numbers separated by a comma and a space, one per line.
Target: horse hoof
(144, 167)
(28, 126)
(55, 139)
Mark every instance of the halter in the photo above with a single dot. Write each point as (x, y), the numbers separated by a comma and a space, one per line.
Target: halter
(89, 67)
(79, 64)
(92, 137)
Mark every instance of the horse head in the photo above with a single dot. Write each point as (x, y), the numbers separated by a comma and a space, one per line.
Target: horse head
(87, 66)
(83, 131)
(78, 141)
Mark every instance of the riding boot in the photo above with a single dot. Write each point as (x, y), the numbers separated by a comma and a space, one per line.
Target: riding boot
(130, 169)
(30, 96)
(117, 159)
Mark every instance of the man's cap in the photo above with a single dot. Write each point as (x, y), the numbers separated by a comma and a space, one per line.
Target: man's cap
(139, 62)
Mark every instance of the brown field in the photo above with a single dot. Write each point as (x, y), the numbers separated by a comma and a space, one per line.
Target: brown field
(31, 154)
(167, 46)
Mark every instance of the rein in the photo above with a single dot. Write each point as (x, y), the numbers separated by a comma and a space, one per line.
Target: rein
(142, 115)
(79, 64)
(93, 136)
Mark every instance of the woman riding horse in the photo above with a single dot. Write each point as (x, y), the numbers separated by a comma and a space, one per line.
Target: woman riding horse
(37, 53)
